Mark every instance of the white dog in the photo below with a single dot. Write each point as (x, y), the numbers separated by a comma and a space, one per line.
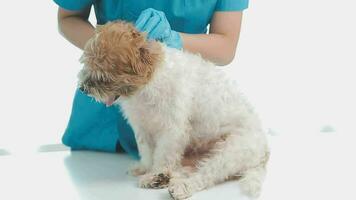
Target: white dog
(175, 101)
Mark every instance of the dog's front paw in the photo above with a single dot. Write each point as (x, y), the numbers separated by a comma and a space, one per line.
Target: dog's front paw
(155, 181)
(180, 189)
(138, 170)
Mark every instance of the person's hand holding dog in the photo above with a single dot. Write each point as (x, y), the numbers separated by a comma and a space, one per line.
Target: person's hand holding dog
(155, 23)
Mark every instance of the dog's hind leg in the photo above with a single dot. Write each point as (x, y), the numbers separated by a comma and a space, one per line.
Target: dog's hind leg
(238, 154)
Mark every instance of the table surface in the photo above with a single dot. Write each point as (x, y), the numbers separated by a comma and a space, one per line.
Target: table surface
(299, 168)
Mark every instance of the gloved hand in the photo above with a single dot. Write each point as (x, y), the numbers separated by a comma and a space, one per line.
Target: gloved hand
(155, 23)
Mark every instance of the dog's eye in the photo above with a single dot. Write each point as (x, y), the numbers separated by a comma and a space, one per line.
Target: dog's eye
(81, 88)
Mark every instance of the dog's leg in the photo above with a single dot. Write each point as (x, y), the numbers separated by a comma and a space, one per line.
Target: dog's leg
(238, 154)
(170, 149)
(145, 151)
(166, 158)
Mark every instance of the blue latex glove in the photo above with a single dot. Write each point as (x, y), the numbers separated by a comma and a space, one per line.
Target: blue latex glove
(155, 23)
(93, 126)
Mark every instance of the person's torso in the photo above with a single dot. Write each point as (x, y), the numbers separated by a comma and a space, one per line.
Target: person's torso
(189, 16)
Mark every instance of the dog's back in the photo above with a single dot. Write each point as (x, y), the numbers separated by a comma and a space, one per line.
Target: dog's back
(213, 98)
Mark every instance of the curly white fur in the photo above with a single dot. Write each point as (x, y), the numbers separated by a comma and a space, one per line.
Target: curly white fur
(189, 102)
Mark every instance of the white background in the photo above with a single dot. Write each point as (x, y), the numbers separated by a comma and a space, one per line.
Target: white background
(296, 62)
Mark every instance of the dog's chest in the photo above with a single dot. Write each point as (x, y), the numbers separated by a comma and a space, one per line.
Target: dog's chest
(146, 115)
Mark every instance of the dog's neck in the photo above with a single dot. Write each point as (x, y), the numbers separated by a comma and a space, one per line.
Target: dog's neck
(159, 78)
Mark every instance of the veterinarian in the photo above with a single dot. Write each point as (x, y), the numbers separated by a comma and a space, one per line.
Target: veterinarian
(180, 24)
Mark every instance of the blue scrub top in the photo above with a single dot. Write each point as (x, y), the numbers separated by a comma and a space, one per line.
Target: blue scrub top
(187, 16)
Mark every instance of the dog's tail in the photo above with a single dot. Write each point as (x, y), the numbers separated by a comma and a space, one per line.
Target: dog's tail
(252, 180)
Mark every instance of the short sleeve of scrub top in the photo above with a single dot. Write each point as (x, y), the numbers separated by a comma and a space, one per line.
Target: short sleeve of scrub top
(74, 5)
(231, 5)
(188, 16)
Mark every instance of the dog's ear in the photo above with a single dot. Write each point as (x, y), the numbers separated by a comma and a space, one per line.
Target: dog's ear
(149, 55)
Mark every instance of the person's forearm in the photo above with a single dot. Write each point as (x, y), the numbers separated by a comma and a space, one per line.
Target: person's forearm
(76, 30)
(217, 48)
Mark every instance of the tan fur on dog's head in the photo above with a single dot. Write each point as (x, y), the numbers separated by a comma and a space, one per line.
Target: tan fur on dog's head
(118, 60)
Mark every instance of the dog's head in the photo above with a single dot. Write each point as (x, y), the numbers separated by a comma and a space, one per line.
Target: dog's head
(118, 60)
